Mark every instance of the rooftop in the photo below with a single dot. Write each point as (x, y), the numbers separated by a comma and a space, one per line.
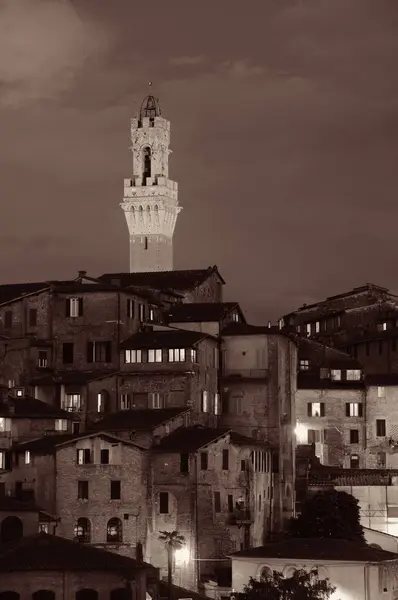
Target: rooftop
(43, 552)
(201, 312)
(45, 444)
(170, 338)
(320, 355)
(191, 439)
(332, 476)
(318, 549)
(138, 419)
(27, 407)
(238, 328)
(181, 281)
(72, 377)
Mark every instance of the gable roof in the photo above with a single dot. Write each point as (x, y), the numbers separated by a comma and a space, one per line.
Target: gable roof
(44, 552)
(239, 328)
(27, 407)
(183, 280)
(321, 355)
(103, 434)
(45, 444)
(197, 312)
(318, 549)
(145, 419)
(190, 439)
(170, 338)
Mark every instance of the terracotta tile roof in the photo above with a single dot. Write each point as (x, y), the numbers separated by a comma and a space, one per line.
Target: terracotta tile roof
(24, 407)
(45, 444)
(318, 549)
(236, 328)
(72, 377)
(162, 280)
(190, 439)
(43, 552)
(332, 476)
(320, 355)
(201, 312)
(138, 420)
(171, 338)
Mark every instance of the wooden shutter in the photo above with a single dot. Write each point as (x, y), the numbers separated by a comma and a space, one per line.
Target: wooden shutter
(67, 307)
(80, 307)
(347, 409)
(108, 352)
(309, 409)
(360, 413)
(322, 409)
(90, 352)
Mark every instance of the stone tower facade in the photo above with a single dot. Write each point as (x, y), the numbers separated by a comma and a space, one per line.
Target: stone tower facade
(150, 201)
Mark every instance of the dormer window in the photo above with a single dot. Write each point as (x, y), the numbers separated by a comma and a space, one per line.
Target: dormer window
(304, 365)
(235, 317)
(335, 375)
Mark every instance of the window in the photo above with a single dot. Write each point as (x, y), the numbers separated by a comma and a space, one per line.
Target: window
(75, 427)
(381, 391)
(124, 402)
(133, 356)
(155, 400)
(67, 353)
(353, 409)
(204, 461)
(313, 436)
(32, 317)
(217, 404)
(380, 427)
(164, 503)
(5, 424)
(217, 502)
(71, 402)
(141, 312)
(382, 326)
(205, 402)
(42, 362)
(104, 458)
(308, 328)
(99, 352)
(225, 460)
(27, 457)
(114, 531)
(353, 374)
(184, 463)
(43, 527)
(304, 365)
(335, 375)
(74, 307)
(83, 456)
(354, 461)
(317, 327)
(82, 490)
(5, 460)
(151, 313)
(177, 355)
(354, 436)
(103, 401)
(130, 308)
(155, 356)
(230, 503)
(82, 530)
(61, 425)
(234, 405)
(193, 355)
(8, 319)
(381, 460)
(116, 490)
(298, 328)
(20, 392)
(316, 409)
(243, 465)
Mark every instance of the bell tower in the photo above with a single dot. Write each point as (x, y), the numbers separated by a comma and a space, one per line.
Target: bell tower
(150, 201)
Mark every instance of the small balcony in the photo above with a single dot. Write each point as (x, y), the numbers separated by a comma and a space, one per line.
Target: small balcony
(232, 375)
(240, 518)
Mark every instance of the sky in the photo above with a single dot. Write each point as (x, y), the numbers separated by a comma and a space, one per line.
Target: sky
(284, 117)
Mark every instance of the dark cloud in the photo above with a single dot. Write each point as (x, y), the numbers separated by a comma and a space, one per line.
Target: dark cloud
(284, 135)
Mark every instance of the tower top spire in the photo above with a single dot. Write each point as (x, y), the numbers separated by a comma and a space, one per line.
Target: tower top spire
(150, 107)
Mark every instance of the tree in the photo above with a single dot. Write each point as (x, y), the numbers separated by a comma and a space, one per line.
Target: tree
(302, 585)
(329, 514)
(172, 541)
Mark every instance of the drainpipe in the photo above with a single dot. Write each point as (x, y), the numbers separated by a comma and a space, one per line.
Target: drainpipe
(197, 523)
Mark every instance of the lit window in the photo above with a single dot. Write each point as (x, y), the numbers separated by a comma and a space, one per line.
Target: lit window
(20, 392)
(217, 404)
(381, 391)
(193, 355)
(353, 409)
(316, 409)
(298, 328)
(151, 314)
(155, 356)
(83, 456)
(61, 425)
(71, 402)
(235, 317)
(308, 328)
(27, 457)
(317, 327)
(382, 326)
(304, 365)
(82, 530)
(124, 402)
(177, 355)
(5, 424)
(155, 400)
(130, 308)
(43, 527)
(74, 307)
(353, 374)
(133, 356)
(205, 402)
(335, 375)
(42, 362)
(2, 460)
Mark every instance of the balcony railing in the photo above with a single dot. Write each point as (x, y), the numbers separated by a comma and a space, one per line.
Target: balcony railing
(240, 517)
(240, 374)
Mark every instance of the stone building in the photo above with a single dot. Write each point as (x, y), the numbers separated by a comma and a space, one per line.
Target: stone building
(362, 322)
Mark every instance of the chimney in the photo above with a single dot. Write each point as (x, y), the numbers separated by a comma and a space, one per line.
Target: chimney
(82, 274)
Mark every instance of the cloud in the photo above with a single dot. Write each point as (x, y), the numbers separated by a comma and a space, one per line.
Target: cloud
(187, 61)
(43, 44)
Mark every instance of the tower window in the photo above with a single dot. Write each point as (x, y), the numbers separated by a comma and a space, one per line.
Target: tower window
(145, 243)
(146, 156)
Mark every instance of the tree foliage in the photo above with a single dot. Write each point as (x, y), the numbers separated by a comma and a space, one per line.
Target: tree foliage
(329, 514)
(302, 585)
(171, 539)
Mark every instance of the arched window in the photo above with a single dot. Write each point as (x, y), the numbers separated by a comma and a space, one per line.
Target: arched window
(114, 531)
(146, 160)
(120, 594)
(9, 596)
(289, 572)
(82, 530)
(11, 529)
(43, 595)
(265, 573)
(87, 594)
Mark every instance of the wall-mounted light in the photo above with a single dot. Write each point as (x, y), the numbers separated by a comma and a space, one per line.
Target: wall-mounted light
(182, 556)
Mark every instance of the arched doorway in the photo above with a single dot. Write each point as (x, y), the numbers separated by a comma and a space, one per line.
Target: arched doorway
(114, 531)
(9, 596)
(11, 529)
(43, 595)
(87, 594)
